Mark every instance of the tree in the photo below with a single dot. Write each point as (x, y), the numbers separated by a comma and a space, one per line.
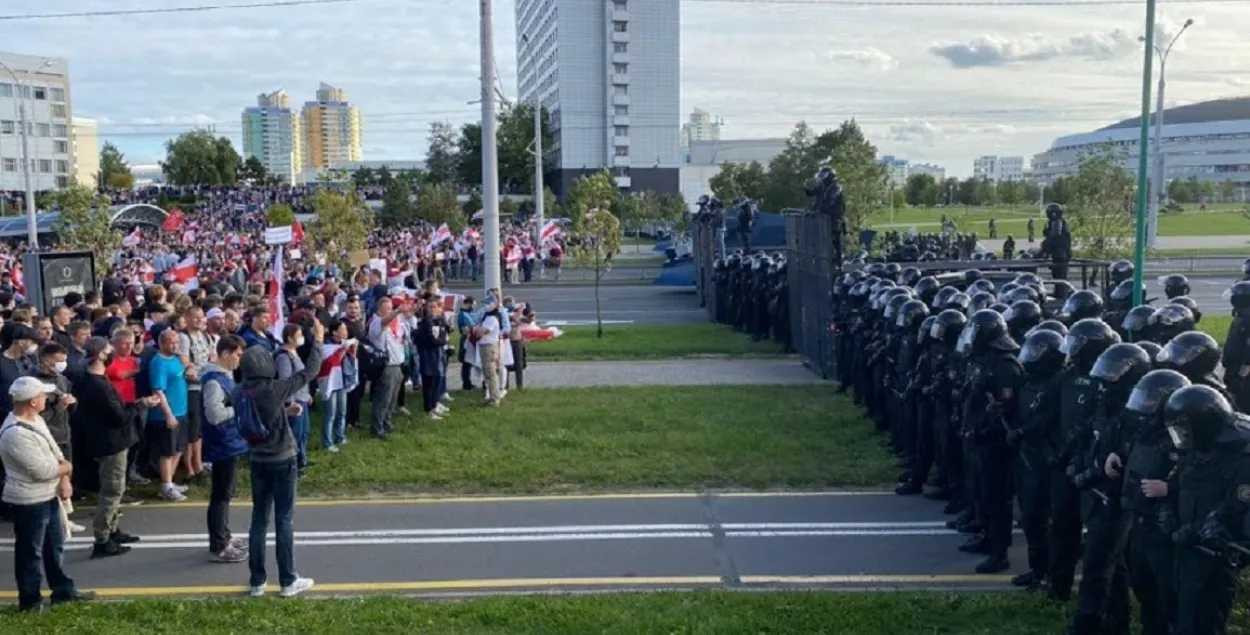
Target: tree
(469, 152)
(114, 171)
(340, 225)
(197, 158)
(789, 170)
(1100, 199)
(593, 191)
(472, 205)
(514, 140)
(1228, 191)
(279, 215)
(508, 208)
(437, 205)
(364, 177)
(596, 239)
(253, 171)
(442, 159)
(740, 179)
(864, 180)
(398, 208)
(922, 190)
(672, 209)
(86, 223)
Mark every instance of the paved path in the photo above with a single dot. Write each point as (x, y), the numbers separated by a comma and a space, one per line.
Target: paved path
(692, 372)
(865, 540)
(575, 305)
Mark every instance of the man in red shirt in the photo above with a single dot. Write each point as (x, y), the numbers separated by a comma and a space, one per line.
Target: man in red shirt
(121, 372)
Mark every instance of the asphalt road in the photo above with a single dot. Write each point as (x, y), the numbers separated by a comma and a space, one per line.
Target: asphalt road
(844, 540)
(575, 305)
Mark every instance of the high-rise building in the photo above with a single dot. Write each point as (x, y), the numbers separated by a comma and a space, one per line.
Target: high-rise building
(700, 127)
(896, 169)
(995, 169)
(42, 85)
(86, 151)
(271, 133)
(608, 73)
(936, 171)
(331, 130)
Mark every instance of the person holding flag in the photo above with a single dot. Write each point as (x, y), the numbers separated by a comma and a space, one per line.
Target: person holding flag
(338, 377)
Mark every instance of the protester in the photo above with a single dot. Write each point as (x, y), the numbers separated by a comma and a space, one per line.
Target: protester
(431, 341)
(288, 364)
(195, 349)
(388, 334)
(223, 445)
(167, 421)
(334, 388)
(488, 338)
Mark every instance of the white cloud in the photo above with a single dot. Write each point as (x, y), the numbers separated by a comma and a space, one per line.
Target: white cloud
(1001, 50)
(871, 57)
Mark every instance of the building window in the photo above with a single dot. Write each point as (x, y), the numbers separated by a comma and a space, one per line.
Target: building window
(622, 151)
(620, 91)
(42, 130)
(58, 110)
(621, 111)
(8, 127)
(6, 90)
(45, 166)
(60, 131)
(620, 69)
(619, 5)
(62, 181)
(57, 94)
(620, 27)
(60, 147)
(62, 166)
(621, 131)
(10, 165)
(41, 93)
(620, 47)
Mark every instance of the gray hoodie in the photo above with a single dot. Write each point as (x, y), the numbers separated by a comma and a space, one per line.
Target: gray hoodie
(271, 397)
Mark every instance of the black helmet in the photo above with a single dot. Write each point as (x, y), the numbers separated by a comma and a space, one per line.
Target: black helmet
(979, 256)
(888, 296)
(1122, 295)
(826, 174)
(1194, 355)
(1061, 290)
(1121, 270)
(876, 269)
(986, 330)
(1245, 267)
(859, 292)
(1169, 321)
(925, 327)
(911, 314)
(892, 270)
(1195, 417)
(1153, 390)
(1028, 278)
(1040, 354)
(942, 297)
(948, 326)
(909, 276)
(979, 285)
(1004, 292)
(1152, 349)
(1054, 211)
(893, 305)
(1188, 303)
(980, 300)
(1119, 368)
(1024, 293)
(927, 289)
(959, 301)
(718, 264)
(1087, 340)
(1238, 296)
(971, 276)
(1022, 317)
(999, 308)
(1053, 325)
(1174, 285)
(703, 200)
(1083, 304)
(1136, 322)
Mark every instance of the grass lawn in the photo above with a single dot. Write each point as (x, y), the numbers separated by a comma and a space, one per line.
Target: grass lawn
(578, 440)
(1216, 326)
(1216, 220)
(695, 613)
(649, 341)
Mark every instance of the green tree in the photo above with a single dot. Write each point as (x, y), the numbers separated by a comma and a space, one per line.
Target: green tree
(364, 177)
(596, 239)
(1228, 191)
(197, 158)
(279, 215)
(516, 145)
(472, 205)
(398, 208)
(1100, 197)
(671, 209)
(740, 179)
(385, 178)
(253, 171)
(114, 171)
(864, 180)
(789, 170)
(85, 223)
(437, 205)
(922, 190)
(340, 225)
(592, 191)
(469, 150)
(508, 208)
(442, 159)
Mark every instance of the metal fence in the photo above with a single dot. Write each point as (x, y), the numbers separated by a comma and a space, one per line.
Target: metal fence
(705, 248)
(810, 271)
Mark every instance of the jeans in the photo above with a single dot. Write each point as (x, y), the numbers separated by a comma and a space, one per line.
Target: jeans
(39, 537)
(384, 393)
(429, 392)
(299, 430)
(334, 425)
(273, 487)
(225, 472)
(112, 486)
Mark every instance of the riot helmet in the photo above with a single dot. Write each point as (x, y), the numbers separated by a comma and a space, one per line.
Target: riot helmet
(979, 285)
(925, 327)
(1061, 289)
(927, 289)
(978, 256)
(909, 276)
(718, 264)
(859, 293)
(1004, 292)
(1169, 321)
(980, 300)
(1174, 286)
(1119, 368)
(1188, 303)
(1028, 279)
(1053, 325)
(989, 255)
(948, 326)
(911, 314)
(942, 297)
(1153, 390)
(971, 276)
(986, 330)
(959, 301)
(1000, 308)
(877, 269)
(1194, 355)
(892, 271)
(1152, 349)
(1022, 317)
(1121, 270)
(826, 175)
(1238, 296)
(1024, 293)
(1195, 417)
(703, 200)
(893, 305)
(1136, 324)
(928, 256)
(1083, 304)
(1086, 340)
(1040, 354)
(1054, 211)
(1121, 297)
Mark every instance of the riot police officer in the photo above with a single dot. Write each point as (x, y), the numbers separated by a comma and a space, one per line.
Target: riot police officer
(1135, 327)
(1022, 317)
(1169, 321)
(1195, 355)
(1237, 346)
(747, 213)
(829, 201)
(1081, 305)
(1120, 271)
(907, 321)
(1057, 241)
(1175, 285)
(944, 371)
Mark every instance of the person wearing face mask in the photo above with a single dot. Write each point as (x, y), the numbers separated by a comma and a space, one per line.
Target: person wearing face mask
(53, 360)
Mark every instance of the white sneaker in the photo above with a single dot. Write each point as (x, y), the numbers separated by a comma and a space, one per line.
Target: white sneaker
(503, 392)
(76, 528)
(334, 449)
(183, 488)
(297, 587)
(433, 416)
(447, 398)
(256, 591)
(441, 409)
(172, 494)
(404, 411)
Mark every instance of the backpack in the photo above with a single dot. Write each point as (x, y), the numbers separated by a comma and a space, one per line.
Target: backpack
(251, 427)
(372, 360)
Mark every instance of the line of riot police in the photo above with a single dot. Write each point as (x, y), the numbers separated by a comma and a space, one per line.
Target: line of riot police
(1103, 422)
(752, 295)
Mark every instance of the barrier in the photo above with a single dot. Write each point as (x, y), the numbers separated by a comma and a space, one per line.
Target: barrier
(810, 273)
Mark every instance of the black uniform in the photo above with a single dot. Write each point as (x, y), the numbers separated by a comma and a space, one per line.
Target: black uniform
(1236, 358)
(1036, 408)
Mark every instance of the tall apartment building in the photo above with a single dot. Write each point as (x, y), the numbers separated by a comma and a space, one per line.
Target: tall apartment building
(896, 169)
(995, 168)
(936, 171)
(85, 149)
(608, 72)
(331, 130)
(272, 134)
(42, 85)
(700, 127)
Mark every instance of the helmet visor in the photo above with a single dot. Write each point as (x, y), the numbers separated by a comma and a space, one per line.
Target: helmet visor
(966, 339)
(1145, 401)
(1110, 370)
(1178, 355)
(1180, 436)
(1033, 352)
(1071, 344)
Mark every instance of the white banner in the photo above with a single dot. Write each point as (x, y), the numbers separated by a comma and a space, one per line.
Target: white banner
(279, 235)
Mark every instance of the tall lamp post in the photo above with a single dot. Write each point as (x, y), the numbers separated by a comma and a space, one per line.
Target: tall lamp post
(1156, 181)
(490, 162)
(539, 201)
(1139, 255)
(32, 228)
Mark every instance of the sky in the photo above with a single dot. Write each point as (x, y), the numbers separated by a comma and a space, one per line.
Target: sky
(929, 84)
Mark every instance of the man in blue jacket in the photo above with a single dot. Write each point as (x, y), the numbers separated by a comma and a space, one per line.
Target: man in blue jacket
(223, 445)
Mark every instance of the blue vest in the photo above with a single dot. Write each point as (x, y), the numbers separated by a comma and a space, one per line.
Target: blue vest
(222, 441)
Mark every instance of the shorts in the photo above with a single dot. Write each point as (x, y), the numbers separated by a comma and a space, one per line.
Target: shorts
(165, 442)
(195, 423)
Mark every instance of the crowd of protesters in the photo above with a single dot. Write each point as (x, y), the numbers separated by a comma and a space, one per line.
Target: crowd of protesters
(204, 347)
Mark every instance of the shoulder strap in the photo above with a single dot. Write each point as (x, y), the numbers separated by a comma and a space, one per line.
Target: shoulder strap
(23, 424)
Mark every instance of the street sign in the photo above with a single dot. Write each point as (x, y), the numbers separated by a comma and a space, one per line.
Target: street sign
(49, 277)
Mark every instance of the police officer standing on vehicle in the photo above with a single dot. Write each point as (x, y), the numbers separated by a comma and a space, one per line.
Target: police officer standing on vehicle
(992, 386)
(1057, 241)
(829, 201)
(1237, 346)
(1212, 503)
(746, 222)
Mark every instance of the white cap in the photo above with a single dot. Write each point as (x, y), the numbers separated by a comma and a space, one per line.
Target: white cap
(27, 388)
(215, 313)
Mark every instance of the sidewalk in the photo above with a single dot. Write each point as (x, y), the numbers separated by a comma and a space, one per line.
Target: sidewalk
(687, 372)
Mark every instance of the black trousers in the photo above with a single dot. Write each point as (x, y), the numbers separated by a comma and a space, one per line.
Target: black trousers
(1206, 588)
(1033, 496)
(429, 392)
(353, 403)
(225, 474)
(1103, 603)
(925, 442)
(1065, 533)
(994, 493)
(1152, 572)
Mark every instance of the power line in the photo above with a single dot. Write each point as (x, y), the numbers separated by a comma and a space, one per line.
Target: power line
(812, 3)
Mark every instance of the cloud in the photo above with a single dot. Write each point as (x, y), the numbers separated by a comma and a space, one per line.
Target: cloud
(926, 133)
(1001, 50)
(871, 57)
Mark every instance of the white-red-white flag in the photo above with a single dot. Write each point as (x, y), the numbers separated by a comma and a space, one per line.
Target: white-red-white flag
(277, 312)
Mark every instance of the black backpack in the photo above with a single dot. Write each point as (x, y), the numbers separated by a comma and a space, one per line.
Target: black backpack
(372, 360)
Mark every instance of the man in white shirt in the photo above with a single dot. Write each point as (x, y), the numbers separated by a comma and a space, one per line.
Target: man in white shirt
(488, 350)
(387, 332)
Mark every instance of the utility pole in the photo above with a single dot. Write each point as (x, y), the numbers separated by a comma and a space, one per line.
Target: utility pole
(539, 198)
(490, 162)
(1139, 254)
(1157, 188)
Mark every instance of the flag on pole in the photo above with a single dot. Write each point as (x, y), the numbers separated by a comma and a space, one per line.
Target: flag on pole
(187, 273)
(132, 239)
(276, 313)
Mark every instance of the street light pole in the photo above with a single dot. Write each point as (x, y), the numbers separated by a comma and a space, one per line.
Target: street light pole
(1157, 187)
(1139, 255)
(32, 227)
(539, 198)
(490, 162)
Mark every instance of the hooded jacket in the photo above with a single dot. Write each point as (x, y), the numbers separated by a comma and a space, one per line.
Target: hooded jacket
(272, 396)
